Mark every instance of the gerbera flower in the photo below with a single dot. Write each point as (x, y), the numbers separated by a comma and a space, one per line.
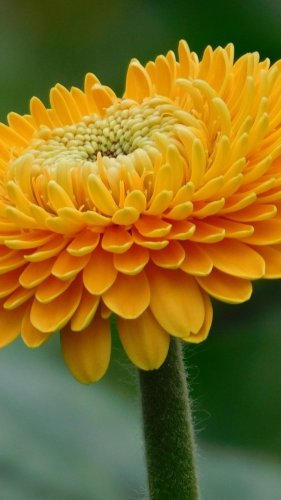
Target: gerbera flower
(141, 206)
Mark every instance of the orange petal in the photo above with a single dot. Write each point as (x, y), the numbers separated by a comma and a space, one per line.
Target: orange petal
(226, 288)
(232, 229)
(19, 297)
(85, 311)
(207, 233)
(29, 240)
(196, 261)
(131, 262)
(10, 324)
(87, 353)
(256, 212)
(54, 315)
(48, 250)
(9, 283)
(272, 258)
(151, 243)
(116, 239)
(144, 340)
(265, 233)
(30, 335)
(129, 296)
(176, 301)
(83, 244)
(202, 334)
(152, 227)
(236, 258)
(12, 260)
(181, 230)
(170, 257)
(36, 272)
(51, 288)
(100, 273)
(67, 267)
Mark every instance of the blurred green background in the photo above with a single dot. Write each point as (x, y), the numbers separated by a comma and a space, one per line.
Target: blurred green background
(63, 441)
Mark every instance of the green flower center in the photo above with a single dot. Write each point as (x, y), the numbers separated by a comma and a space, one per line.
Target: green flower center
(124, 128)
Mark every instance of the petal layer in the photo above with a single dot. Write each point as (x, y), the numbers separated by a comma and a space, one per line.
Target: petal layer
(144, 340)
(129, 296)
(176, 302)
(87, 353)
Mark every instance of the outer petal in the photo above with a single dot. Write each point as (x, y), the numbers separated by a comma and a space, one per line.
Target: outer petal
(236, 258)
(129, 296)
(176, 302)
(145, 341)
(100, 273)
(87, 353)
(85, 311)
(195, 338)
(272, 258)
(31, 336)
(226, 288)
(10, 324)
(54, 315)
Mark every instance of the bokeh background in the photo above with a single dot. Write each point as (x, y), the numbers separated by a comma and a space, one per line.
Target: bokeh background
(63, 441)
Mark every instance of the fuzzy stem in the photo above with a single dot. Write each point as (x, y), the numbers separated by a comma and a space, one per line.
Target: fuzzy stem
(168, 430)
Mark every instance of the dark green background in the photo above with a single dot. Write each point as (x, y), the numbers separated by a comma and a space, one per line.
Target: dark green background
(63, 441)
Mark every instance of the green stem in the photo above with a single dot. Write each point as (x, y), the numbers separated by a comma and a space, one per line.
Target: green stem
(168, 430)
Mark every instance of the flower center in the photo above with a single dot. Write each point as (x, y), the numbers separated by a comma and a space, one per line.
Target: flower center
(124, 128)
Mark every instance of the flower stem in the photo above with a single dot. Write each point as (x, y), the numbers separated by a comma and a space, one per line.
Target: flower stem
(168, 430)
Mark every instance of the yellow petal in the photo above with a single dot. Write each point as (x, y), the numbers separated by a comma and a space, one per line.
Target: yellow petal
(129, 296)
(226, 288)
(54, 315)
(144, 340)
(138, 84)
(125, 216)
(87, 353)
(101, 196)
(60, 107)
(176, 301)
(39, 112)
(58, 197)
(236, 258)
(131, 262)
(100, 273)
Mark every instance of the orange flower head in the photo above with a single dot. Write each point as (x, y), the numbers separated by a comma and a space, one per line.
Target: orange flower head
(141, 206)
